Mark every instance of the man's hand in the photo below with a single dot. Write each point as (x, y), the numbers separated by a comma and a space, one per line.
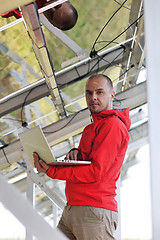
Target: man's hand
(74, 154)
(40, 164)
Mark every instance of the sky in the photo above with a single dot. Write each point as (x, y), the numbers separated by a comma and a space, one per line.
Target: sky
(135, 205)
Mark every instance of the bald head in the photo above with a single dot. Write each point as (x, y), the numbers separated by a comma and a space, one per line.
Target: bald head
(64, 16)
(102, 76)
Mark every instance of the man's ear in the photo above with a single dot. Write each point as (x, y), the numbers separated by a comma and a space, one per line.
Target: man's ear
(112, 95)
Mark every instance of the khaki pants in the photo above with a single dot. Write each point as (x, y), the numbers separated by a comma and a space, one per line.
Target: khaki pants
(88, 223)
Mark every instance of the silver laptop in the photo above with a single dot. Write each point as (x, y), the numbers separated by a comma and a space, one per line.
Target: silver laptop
(34, 140)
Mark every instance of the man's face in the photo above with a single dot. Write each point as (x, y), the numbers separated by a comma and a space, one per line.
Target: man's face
(99, 95)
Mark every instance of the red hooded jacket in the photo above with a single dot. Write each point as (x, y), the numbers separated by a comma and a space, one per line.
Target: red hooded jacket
(16, 12)
(104, 142)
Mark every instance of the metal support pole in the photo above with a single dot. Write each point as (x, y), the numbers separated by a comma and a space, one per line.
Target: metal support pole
(24, 212)
(35, 178)
(117, 234)
(55, 215)
(49, 192)
(152, 34)
(31, 198)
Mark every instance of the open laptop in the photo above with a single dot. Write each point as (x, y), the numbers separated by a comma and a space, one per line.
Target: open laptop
(34, 140)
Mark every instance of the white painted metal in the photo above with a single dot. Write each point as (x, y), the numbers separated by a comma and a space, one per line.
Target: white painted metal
(152, 33)
(141, 97)
(49, 192)
(81, 54)
(66, 76)
(137, 144)
(23, 211)
(11, 24)
(55, 215)
(61, 35)
(10, 6)
(51, 5)
(117, 234)
(131, 97)
(136, 3)
(32, 24)
(33, 178)
(31, 197)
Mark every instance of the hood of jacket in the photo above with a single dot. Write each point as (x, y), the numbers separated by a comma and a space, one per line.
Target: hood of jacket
(121, 114)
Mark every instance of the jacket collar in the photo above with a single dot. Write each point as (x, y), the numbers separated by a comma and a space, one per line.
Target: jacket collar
(122, 114)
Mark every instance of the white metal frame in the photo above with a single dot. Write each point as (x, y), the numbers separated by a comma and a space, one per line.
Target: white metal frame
(66, 76)
(35, 178)
(152, 33)
(152, 73)
(24, 212)
(31, 197)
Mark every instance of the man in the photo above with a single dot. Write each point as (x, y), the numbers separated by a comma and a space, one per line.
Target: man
(91, 211)
(63, 16)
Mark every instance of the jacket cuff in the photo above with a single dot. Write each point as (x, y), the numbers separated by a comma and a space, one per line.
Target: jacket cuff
(51, 171)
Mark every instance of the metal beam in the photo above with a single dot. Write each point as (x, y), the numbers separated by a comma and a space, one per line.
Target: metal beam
(51, 5)
(152, 18)
(32, 23)
(70, 75)
(24, 212)
(30, 193)
(137, 56)
(53, 196)
(81, 53)
(61, 35)
(62, 129)
(135, 31)
(133, 97)
(52, 132)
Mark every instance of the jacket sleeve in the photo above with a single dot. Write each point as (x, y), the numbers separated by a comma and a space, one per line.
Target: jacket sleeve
(15, 13)
(106, 147)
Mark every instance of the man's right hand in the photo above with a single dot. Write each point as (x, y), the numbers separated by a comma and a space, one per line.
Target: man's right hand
(41, 165)
(74, 154)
